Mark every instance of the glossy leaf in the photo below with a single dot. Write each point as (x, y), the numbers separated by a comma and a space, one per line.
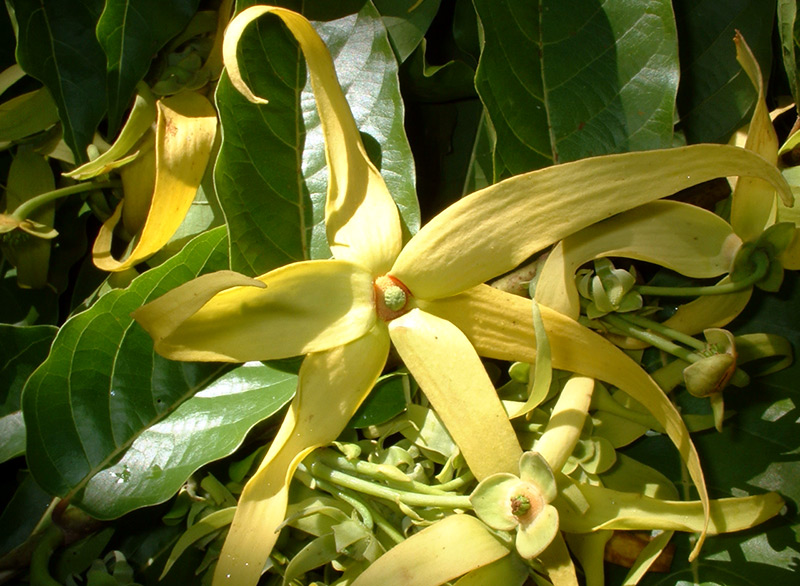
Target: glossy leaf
(56, 44)
(102, 383)
(406, 23)
(273, 217)
(715, 96)
(787, 23)
(563, 81)
(206, 427)
(24, 510)
(130, 33)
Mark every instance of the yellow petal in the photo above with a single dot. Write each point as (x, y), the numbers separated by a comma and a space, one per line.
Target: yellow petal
(451, 375)
(558, 563)
(612, 509)
(754, 202)
(437, 554)
(138, 179)
(679, 236)
(185, 132)
(362, 221)
(296, 309)
(331, 386)
(498, 325)
(508, 571)
(566, 422)
(711, 311)
(522, 215)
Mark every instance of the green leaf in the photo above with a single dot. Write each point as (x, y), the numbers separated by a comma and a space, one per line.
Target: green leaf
(56, 44)
(274, 217)
(206, 427)
(12, 430)
(27, 114)
(131, 32)
(22, 349)
(26, 306)
(102, 384)
(787, 21)
(386, 400)
(406, 23)
(716, 96)
(563, 81)
(23, 512)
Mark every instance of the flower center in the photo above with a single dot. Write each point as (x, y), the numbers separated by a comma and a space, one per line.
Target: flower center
(391, 297)
(526, 503)
(520, 505)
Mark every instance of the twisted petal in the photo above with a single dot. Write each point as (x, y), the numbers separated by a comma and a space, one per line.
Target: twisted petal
(447, 549)
(362, 220)
(185, 130)
(754, 205)
(299, 308)
(499, 326)
(612, 509)
(679, 236)
(453, 379)
(331, 386)
(522, 215)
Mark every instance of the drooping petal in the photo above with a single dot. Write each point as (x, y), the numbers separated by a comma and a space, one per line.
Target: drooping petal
(439, 553)
(498, 325)
(566, 422)
(185, 130)
(331, 386)
(362, 221)
(612, 509)
(522, 215)
(754, 202)
(508, 571)
(453, 379)
(682, 237)
(296, 309)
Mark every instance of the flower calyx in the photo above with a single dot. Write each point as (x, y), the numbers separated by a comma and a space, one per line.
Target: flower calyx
(392, 297)
(506, 502)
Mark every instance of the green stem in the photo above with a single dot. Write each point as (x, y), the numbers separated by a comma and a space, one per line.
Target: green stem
(40, 560)
(323, 472)
(667, 332)
(762, 267)
(25, 209)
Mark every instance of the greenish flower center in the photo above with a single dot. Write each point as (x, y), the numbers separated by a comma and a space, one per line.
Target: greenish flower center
(394, 298)
(520, 505)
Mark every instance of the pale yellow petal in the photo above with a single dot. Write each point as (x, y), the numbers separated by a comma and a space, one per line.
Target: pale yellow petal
(451, 375)
(296, 309)
(754, 202)
(508, 571)
(681, 237)
(442, 552)
(493, 230)
(566, 422)
(499, 326)
(331, 386)
(612, 509)
(558, 563)
(361, 218)
(185, 130)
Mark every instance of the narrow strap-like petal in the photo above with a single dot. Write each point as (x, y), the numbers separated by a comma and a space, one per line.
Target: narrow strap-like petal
(451, 375)
(754, 202)
(185, 130)
(296, 309)
(361, 218)
(679, 236)
(498, 325)
(437, 554)
(331, 386)
(493, 230)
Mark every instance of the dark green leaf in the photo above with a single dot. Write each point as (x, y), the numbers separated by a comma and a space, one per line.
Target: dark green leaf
(26, 306)
(22, 349)
(567, 80)
(716, 96)
(209, 426)
(22, 514)
(787, 24)
(131, 32)
(274, 217)
(12, 430)
(406, 22)
(386, 400)
(102, 384)
(57, 46)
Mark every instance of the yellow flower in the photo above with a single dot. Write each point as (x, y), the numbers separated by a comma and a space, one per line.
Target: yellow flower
(343, 313)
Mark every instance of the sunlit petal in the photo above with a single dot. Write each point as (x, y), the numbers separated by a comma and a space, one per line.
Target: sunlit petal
(566, 421)
(299, 308)
(754, 202)
(362, 220)
(437, 554)
(682, 237)
(499, 326)
(185, 130)
(522, 215)
(508, 571)
(451, 375)
(612, 509)
(532, 539)
(558, 563)
(331, 386)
